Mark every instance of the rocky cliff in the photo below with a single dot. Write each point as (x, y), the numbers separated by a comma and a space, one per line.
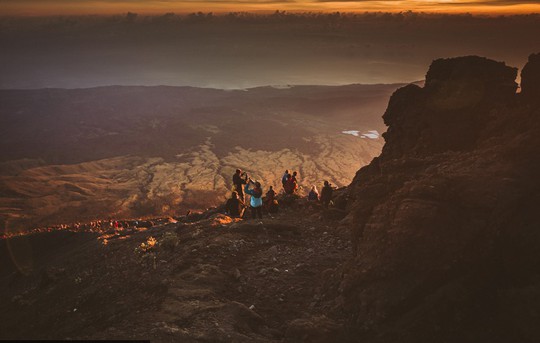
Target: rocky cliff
(445, 222)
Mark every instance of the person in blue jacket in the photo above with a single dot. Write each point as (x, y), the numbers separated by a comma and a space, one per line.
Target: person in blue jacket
(256, 198)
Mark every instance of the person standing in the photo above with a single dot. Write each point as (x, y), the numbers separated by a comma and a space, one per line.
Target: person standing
(288, 185)
(326, 194)
(313, 194)
(295, 179)
(239, 179)
(256, 198)
(284, 178)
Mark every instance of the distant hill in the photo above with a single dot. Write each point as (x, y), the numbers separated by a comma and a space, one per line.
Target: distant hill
(79, 154)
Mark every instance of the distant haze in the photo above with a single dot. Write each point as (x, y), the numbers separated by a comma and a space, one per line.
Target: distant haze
(247, 50)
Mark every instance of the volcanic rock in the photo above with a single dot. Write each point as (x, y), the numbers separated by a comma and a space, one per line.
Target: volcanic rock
(443, 222)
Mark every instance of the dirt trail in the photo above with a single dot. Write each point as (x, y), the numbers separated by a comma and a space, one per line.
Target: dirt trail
(205, 280)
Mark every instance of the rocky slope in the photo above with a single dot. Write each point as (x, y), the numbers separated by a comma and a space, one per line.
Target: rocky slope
(205, 278)
(445, 222)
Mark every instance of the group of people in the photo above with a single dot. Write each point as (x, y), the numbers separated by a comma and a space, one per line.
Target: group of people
(243, 185)
(326, 194)
(289, 182)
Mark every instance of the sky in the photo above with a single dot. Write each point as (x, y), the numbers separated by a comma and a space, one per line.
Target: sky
(51, 7)
(39, 48)
(248, 50)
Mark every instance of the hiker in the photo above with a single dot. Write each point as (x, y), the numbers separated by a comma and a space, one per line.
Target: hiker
(295, 181)
(326, 194)
(240, 179)
(284, 178)
(313, 194)
(270, 202)
(291, 185)
(287, 184)
(234, 206)
(256, 198)
(270, 195)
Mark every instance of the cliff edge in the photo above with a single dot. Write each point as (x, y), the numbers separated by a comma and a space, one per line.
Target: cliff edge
(445, 224)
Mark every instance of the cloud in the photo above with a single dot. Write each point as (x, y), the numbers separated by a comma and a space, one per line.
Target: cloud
(448, 3)
(388, 4)
(124, 2)
(491, 3)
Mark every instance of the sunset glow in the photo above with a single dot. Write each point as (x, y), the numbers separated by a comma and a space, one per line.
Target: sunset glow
(55, 7)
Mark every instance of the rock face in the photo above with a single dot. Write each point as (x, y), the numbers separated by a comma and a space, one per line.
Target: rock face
(451, 109)
(530, 78)
(445, 222)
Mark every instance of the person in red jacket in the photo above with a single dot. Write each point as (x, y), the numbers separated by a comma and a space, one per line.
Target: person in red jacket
(291, 185)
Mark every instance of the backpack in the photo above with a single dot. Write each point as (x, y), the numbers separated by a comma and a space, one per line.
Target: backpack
(257, 193)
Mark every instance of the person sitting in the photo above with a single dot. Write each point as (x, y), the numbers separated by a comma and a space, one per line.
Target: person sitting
(273, 207)
(313, 194)
(270, 195)
(256, 198)
(326, 194)
(270, 202)
(234, 206)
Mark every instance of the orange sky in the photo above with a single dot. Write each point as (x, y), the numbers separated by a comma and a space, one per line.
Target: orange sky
(52, 7)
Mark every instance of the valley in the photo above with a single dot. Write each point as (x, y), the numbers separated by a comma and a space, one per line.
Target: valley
(133, 152)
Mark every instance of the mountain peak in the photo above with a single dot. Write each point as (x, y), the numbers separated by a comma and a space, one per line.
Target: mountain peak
(451, 110)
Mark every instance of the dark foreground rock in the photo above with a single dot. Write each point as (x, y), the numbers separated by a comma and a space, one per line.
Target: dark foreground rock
(214, 279)
(445, 222)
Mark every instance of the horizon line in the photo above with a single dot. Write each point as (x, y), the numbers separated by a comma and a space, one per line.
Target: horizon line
(275, 86)
(269, 12)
